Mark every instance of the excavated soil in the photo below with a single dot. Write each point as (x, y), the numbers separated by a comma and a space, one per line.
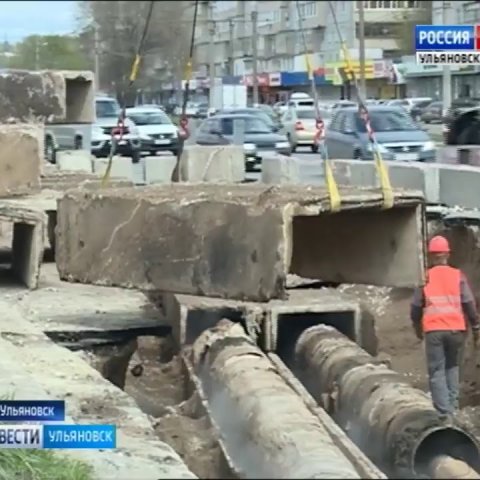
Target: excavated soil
(398, 342)
(156, 380)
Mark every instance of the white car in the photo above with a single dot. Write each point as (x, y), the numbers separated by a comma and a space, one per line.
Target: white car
(108, 111)
(157, 131)
(191, 109)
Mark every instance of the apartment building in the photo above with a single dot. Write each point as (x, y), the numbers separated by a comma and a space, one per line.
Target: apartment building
(426, 80)
(225, 33)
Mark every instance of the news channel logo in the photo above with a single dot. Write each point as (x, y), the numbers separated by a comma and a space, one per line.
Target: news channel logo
(46, 432)
(431, 38)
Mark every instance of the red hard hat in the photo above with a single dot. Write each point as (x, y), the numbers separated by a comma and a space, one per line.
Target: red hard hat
(438, 244)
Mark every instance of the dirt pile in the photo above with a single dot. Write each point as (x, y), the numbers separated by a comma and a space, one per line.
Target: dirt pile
(398, 342)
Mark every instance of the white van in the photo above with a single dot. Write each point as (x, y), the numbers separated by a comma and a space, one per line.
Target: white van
(300, 99)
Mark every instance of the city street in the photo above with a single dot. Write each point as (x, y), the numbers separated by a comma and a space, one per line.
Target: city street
(435, 131)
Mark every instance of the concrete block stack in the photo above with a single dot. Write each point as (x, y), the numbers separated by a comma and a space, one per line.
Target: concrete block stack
(239, 242)
(28, 100)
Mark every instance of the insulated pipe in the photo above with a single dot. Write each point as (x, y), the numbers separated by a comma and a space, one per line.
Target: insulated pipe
(392, 422)
(267, 428)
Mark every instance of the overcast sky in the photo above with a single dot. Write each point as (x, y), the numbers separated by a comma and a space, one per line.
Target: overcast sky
(20, 19)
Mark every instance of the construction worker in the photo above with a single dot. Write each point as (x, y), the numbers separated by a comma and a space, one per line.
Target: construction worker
(438, 314)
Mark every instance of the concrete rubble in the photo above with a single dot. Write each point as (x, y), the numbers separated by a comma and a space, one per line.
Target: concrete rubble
(37, 368)
(237, 242)
(21, 158)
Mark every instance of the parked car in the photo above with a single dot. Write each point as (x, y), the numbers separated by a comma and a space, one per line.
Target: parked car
(399, 137)
(460, 122)
(191, 109)
(107, 112)
(343, 104)
(258, 141)
(301, 100)
(300, 126)
(409, 104)
(157, 131)
(274, 123)
(418, 108)
(151, 105)
(433, 113)
(202, 110)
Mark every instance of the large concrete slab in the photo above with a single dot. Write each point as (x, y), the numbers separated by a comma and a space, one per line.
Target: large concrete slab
(75, 161)
(52, 96)
(21, 158)
(280, 169)
(237, 241)
(201, 163)
(459, 186)
(122, 167)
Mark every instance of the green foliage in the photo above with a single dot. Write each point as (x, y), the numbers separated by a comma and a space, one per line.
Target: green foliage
(56, 52)
(41, 465)
(119, 27)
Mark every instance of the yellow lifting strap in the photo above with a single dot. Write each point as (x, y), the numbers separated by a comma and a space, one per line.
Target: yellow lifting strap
(380, 166)
(132, 78)
(331, 184)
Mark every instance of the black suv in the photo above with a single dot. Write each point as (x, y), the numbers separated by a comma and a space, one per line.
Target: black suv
(461, 124)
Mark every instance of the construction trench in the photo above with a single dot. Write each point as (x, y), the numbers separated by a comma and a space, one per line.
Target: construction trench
(243, 379)
(263, 355)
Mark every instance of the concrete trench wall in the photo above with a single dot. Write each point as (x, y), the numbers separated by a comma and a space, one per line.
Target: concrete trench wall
(273, 325)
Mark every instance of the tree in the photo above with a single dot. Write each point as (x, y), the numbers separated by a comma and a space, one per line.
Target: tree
(119, 26)
(56, 52)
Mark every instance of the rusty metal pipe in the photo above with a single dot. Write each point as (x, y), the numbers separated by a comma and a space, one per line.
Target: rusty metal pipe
(267, 428)
(392, 422)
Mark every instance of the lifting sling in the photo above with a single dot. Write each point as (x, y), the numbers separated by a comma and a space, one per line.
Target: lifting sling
(332, 188)
(185, 133)
(118, 132)
(382, 170)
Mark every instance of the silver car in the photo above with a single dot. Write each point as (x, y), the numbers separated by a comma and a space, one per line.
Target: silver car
(300, 126)
(398, 136)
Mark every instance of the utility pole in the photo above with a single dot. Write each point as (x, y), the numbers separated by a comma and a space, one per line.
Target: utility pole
(231, 67)
(447, 74)
(361, 46)
(255, 55)
(211, 56)
(96, 52)
(37, 54)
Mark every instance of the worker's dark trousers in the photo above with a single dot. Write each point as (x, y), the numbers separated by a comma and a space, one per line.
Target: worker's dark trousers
(443, 349)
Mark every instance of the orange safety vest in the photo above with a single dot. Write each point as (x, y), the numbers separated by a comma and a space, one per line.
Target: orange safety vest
(443, 307)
